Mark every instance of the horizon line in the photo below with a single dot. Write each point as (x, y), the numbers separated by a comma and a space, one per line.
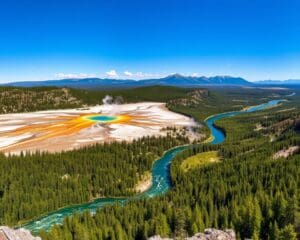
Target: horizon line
(123, 78)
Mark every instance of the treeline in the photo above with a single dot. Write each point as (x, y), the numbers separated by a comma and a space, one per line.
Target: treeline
(34, 184)
(18, 99)
(248, 191)
(129, 95)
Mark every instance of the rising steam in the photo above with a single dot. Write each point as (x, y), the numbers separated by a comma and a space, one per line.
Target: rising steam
(111, 104)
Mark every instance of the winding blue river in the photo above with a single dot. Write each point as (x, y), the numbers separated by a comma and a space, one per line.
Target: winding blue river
(161, 182)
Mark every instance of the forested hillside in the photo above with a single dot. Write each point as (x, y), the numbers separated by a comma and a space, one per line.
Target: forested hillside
(248, 190)
(16, 99)
(31, 99)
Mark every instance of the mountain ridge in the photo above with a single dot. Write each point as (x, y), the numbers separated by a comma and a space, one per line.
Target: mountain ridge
(171, 80)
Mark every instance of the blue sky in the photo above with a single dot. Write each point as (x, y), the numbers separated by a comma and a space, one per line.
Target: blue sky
(49, 39)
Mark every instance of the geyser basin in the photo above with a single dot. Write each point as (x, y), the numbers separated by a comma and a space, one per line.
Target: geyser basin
(102, 118)
(63, 130)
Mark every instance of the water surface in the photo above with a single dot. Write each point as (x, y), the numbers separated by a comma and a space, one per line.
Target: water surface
(102, 118)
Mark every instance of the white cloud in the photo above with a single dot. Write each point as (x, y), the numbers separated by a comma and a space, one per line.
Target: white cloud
(141, 75)
(128, 74)
(74, 75)
(112, 74)
(195, 75)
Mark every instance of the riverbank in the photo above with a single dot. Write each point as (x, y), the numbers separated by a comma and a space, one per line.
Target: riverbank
(145, 183)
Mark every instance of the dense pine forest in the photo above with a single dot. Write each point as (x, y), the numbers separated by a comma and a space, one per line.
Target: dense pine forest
(249, 190)
(31, 185)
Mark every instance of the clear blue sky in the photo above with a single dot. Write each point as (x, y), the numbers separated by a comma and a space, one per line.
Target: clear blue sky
(47, 39)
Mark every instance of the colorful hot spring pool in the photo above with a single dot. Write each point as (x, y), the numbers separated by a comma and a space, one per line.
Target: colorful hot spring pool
(108, 118)
(102, 118)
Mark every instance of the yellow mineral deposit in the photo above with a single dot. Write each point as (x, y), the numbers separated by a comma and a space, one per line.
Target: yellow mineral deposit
(60, 130)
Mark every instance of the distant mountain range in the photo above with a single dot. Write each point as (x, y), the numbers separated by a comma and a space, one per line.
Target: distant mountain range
(171, 80)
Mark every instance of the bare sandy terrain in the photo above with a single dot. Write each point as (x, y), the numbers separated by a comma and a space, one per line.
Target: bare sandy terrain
(286, 152)
(144, 184)
(62, 130)
(7, 233)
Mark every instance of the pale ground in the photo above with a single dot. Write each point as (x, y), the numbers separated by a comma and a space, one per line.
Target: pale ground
(7, 233)
(145, 183)
(286, 152)
(258, 127)
(62, 130)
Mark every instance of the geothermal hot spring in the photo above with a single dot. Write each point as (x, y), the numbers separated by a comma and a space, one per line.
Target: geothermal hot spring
(61, 130)
(100, 118)
(103, 118)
